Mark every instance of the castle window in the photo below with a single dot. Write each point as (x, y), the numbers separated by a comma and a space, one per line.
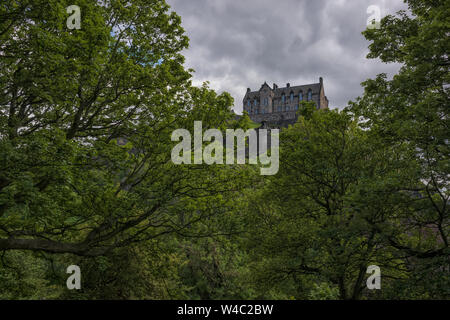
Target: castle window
(309, 95)
(287, 108)
(300, 96)
(266, 101)
(292, 97)
(279, 108)
(283, 98)
(255, 102)
(248, 103)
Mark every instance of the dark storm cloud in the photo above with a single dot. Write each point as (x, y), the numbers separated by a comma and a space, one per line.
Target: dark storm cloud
(239, 44)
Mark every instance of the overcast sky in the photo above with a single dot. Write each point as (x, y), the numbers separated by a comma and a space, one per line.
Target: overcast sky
(236, 44)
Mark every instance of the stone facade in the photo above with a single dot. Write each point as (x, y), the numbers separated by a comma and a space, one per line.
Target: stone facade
(277, 107)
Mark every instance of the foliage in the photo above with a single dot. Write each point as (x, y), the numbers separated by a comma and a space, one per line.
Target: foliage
(86, 175)
(85, 128)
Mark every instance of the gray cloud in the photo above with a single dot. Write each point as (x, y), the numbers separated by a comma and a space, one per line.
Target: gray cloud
(239, 44)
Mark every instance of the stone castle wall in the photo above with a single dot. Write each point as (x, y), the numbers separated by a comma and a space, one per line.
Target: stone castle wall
(275, 120)
(274, 117)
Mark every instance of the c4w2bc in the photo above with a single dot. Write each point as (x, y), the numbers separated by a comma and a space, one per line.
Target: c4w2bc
(247, 309)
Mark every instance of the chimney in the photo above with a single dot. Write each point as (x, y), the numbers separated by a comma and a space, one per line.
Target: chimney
(275, 86)
(321, 81)
(248, 89)
(288, 84)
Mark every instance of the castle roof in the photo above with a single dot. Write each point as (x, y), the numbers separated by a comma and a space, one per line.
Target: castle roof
(314, 87)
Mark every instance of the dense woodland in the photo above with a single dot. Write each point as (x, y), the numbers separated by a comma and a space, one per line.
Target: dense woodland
(365, 185)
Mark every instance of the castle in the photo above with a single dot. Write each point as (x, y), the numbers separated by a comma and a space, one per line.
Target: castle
(277, 107)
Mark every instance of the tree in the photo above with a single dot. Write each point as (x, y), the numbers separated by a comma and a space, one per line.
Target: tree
(311, 229)
(86, 118)
(411, 111)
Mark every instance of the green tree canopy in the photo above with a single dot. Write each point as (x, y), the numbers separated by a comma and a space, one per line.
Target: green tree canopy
(86, 118)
